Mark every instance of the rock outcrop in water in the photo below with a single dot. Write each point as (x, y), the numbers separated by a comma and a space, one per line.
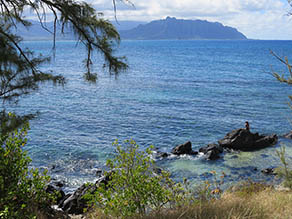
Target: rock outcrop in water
(239, 139)
(75, 203)
(269, 171)
(288, 135)
(211, 151)
(185, 148)
(162, 155)
(244, 140)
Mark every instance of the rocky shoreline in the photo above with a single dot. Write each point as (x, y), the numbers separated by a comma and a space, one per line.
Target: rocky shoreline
(236, 140)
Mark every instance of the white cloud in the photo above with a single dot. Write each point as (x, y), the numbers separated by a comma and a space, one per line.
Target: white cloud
(258, 19)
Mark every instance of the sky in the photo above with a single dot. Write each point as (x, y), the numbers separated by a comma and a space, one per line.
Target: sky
(257, 19)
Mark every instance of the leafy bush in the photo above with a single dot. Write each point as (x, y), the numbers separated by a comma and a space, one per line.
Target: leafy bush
(284, 171)
(22, 190)
(134, 187)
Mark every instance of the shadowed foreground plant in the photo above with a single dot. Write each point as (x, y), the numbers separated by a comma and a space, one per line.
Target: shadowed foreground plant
(22, 190)
(134, 187)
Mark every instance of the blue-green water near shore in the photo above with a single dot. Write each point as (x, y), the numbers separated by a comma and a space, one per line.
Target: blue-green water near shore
(174, 91)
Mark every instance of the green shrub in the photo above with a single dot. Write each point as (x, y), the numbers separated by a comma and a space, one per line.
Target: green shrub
(284, 171)
(134, 187)
(22, 190)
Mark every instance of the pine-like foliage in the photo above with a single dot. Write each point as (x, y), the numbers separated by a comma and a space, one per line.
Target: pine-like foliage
(19, 68)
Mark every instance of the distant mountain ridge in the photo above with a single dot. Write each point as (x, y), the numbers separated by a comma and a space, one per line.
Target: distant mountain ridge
(172, 28)
(36, 32)
(169, 28)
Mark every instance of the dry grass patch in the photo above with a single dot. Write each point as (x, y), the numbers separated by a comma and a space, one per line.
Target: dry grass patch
(251, 201)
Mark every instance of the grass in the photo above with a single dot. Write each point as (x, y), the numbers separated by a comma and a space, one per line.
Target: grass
(251, 200)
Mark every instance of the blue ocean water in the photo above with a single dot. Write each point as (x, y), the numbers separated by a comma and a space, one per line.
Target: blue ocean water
(174, 91)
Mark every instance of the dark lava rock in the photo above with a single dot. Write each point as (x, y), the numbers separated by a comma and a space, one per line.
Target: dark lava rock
(266, 141)
(162, 154)
(212, 155)
(75, 204)
(98, 172)
(61, 203)
(211, 147)
(269, 171)
(57, 183)
(211, 151)
(244, 140)
(185, 148)
(288, 135)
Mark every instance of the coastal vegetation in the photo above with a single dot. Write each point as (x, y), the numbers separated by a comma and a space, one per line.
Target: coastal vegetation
(165, 199)
(245, 199)
(253, 200)
(23, 189)
(284, 171)
(136, 185)
(23, 193)
(133, 186)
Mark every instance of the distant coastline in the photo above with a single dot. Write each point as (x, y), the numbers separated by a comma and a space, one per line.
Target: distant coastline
(129, 40)
(180, 29)
(169, 28)
(37, 33)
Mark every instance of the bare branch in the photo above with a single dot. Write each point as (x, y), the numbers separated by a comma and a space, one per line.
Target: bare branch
(284, 61)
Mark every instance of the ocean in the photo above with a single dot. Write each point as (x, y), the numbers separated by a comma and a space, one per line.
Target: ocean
(174, 91)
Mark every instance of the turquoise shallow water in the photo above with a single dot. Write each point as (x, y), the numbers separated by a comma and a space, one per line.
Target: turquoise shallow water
(174, 91)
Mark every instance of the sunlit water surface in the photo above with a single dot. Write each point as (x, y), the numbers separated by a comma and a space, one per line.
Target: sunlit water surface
(174, 91)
